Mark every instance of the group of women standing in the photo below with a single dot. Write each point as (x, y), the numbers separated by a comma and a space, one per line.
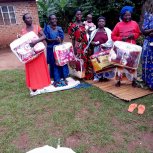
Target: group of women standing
(37, 74)
(102, 38)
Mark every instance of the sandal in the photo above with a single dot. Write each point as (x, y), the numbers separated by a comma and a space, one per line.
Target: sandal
(132, 107)
(141, 109)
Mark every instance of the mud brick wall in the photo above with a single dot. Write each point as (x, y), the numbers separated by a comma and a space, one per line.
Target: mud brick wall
(9, 32)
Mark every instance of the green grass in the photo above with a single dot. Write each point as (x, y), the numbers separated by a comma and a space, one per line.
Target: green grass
(87, 120)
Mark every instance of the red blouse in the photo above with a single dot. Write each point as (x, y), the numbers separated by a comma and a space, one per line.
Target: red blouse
(124, 29)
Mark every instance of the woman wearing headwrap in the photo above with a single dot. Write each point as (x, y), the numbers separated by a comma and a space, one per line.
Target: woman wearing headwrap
(147, 53)
(127, 30)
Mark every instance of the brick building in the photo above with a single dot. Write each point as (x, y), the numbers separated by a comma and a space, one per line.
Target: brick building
(11, 23)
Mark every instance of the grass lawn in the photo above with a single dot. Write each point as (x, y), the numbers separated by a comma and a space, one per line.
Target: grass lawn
(87, 120)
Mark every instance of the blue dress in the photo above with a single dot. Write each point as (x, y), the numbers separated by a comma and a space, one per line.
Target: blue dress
(147, 52)
(56, 72)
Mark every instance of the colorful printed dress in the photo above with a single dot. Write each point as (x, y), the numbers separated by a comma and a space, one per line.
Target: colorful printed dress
(78, 33)
(37, 75)
(56, 72)
(147, 52)
(124, 29)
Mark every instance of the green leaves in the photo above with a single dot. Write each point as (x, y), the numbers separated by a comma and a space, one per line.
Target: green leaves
(64, 9)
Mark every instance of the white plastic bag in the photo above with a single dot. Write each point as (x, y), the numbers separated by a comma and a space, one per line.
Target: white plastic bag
(125, 54)
(63, 53)
(21, 48)
(49, 149)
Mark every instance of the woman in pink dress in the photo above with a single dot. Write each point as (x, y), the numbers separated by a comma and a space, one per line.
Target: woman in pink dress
(37, 74)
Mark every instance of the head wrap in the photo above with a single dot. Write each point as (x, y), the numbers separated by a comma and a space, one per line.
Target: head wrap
(125, 9)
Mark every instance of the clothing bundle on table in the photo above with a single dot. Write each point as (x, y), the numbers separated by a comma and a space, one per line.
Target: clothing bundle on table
(22, 49)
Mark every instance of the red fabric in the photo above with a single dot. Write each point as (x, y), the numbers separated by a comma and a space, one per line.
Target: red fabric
(124, 29)
(37, 74)
(101, 37)
(79, 34)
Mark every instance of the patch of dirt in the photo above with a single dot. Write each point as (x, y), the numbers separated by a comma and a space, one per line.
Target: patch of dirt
(73, 141)
(77, 139)
(22, 142)
(138, 139)
(98, 149)
(82, 114)
(9, 61)
(145, 141)
(3, 130)
(41, 118)
(118, 137)
(97, 105)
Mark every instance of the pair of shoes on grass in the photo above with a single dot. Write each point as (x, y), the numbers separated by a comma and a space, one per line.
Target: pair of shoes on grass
(141, 108)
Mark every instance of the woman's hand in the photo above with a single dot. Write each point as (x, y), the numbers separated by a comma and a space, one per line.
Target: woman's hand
(95, 43)
(58, 39)
(131, 36)
(124, 38)
(151, 34)
(75, 51)
(33, 43)
(18, 35)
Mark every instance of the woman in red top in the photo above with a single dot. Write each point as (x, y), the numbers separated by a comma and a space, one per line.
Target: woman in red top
(77, 33)
(127, 30)
(37, 75)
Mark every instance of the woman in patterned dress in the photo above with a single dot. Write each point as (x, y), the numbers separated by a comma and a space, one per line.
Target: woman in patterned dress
(147, 53)
(77, 33)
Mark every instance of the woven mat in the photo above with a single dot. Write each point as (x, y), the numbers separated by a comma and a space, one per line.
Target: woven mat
(125, 91)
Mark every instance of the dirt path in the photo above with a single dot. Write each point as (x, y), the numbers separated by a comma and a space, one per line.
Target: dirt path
(9, 61)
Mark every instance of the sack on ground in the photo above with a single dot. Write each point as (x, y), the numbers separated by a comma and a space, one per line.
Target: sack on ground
(63, 53)
(125, 54)
(21, 47)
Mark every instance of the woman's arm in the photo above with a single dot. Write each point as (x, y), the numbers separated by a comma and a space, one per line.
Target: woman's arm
(147, 32)
(115, 34)
(109, 42)
(135, 35)
(73, 43)
(41, 38)
(145, 27)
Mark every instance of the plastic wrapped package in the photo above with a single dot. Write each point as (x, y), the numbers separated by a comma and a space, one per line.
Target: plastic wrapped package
(76, 68)
(21, 47)
(100, 61)
(63, 53)
(125, 54)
